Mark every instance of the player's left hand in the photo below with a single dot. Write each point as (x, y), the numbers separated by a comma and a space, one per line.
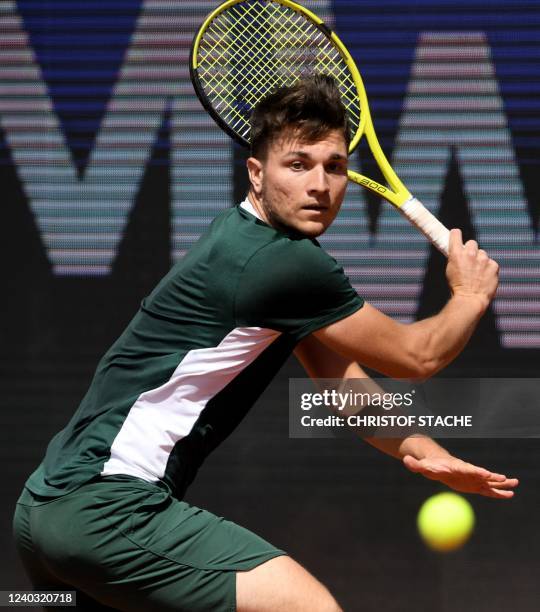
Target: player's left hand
(462, 476)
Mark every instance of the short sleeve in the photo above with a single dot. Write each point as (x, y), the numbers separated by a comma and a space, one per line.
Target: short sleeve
(295, 287)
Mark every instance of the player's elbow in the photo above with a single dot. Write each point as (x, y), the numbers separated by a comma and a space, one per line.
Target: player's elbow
(426, 368)
(423, 361)
(416, 368)
(411, 364)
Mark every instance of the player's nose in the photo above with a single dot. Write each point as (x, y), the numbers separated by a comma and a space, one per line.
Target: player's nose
(318, 180)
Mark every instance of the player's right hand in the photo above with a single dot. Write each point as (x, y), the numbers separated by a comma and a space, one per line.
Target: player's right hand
(470, 271)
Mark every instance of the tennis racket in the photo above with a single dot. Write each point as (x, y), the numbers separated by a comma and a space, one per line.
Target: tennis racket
(247, 48)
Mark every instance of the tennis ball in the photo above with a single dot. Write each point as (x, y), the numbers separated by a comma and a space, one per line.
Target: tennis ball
(445, 521)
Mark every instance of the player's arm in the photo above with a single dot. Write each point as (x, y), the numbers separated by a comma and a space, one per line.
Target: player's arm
(319, 361)
(419, 453)
(420, 349)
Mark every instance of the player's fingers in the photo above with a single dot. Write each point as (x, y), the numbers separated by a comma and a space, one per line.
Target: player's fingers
(494, 265)
(498, 493)
(490, 476)
(455, 243)
(412, 464)
(481, 472)
(502, 478)
(482, 255)
(471, 246)
(508, 483)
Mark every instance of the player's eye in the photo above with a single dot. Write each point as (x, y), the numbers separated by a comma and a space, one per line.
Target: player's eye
(336, 168)
(297, 165)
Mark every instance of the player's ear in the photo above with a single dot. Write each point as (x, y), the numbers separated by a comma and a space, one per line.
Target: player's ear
(255, 171)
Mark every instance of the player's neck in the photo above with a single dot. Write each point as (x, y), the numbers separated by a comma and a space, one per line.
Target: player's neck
(257, 205)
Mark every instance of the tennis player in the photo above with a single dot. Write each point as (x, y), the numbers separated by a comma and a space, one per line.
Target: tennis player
(103, 513)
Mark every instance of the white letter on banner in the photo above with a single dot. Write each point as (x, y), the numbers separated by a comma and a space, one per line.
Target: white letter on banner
(453, 102)
(81, 222)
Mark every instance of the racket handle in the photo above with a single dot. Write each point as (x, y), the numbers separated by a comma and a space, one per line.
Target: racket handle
(427, 223)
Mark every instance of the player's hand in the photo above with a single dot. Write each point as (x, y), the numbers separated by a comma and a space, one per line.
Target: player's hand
(470, 272)
(462, 476)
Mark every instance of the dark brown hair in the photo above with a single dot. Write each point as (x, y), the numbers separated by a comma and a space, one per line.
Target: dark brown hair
(312, 107)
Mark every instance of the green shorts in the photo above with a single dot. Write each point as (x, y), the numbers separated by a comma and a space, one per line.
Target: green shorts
(127, 544)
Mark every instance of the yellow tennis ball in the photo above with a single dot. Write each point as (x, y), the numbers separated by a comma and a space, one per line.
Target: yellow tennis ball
(445, 521)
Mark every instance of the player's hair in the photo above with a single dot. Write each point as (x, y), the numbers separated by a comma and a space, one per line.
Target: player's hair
(311, 107)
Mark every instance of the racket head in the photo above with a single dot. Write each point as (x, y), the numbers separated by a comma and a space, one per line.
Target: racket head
(246, 49)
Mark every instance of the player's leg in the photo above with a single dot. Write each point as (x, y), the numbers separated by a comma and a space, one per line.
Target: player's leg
(282, 585)
(130, 545)
(37, 571)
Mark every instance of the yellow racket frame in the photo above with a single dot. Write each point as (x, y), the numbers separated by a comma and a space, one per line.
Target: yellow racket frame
(396, 193)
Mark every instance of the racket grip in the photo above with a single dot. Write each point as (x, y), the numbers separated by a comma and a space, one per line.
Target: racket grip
(427, 223)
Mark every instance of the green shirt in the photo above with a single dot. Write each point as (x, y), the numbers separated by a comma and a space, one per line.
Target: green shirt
(197, 355)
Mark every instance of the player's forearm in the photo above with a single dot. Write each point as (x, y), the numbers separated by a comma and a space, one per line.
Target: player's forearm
(416, 445)
(438, 340)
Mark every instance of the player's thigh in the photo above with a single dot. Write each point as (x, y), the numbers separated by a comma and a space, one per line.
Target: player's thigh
(37, 570)
(282, 585)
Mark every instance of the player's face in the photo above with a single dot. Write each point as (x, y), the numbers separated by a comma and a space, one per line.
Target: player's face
(301, 185)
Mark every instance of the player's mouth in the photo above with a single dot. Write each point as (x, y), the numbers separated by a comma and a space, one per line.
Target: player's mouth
(315, 207)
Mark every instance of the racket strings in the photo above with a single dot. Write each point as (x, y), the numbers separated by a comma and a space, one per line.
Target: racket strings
(256, 46)
(265, 58)
(311, 51)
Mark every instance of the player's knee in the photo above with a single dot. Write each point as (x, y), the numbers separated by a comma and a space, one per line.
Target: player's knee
(281, 584)
(321, 600)
(329, 605)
